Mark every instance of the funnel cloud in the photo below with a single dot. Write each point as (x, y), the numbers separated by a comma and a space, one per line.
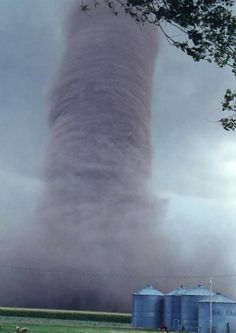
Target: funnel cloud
(97, 209)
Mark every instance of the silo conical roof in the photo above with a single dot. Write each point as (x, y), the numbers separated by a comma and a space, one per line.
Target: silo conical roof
(149, 291)
(199, 291)
(178, 292)
(217, 298)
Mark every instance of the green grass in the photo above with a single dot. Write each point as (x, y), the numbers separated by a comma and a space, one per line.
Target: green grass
(62, 314)
(40, 325)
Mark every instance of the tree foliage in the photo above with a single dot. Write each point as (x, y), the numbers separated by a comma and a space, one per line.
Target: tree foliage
(229, 104)
(207, 32)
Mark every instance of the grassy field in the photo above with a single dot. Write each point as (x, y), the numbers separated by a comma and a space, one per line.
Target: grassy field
(40, 325)
(66, 314)
(60, 321)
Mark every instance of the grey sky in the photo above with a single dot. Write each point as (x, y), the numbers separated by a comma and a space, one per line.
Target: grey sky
(194, 165)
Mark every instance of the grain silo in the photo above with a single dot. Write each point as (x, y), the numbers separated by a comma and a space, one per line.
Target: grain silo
(223, 314)
(147, 308)
(189, 307)
(172, 309)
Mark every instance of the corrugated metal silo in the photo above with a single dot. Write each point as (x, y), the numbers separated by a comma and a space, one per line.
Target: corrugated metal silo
(172, 309)
(189, 308)
(223, 314)
(147, 308)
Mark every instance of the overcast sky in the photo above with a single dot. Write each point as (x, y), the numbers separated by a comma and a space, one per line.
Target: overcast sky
(194, 164)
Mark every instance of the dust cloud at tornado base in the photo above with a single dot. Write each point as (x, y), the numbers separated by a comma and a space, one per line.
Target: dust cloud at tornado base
(97, 237)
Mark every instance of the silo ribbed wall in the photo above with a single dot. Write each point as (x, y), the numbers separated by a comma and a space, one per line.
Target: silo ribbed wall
(189, 313)
(172, 312)
(147, 311)
(172, 308)
(204, 317)
(189, 307)
(167, 311)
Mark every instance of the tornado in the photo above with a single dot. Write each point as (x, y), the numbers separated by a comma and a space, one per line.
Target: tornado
(97, 206)
(94, 232)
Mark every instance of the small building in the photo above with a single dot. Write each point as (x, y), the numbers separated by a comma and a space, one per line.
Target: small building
(147, 308)
(223, 314)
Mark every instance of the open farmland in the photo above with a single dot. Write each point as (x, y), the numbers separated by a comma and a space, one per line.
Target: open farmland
(8, 325)
(43, 321)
